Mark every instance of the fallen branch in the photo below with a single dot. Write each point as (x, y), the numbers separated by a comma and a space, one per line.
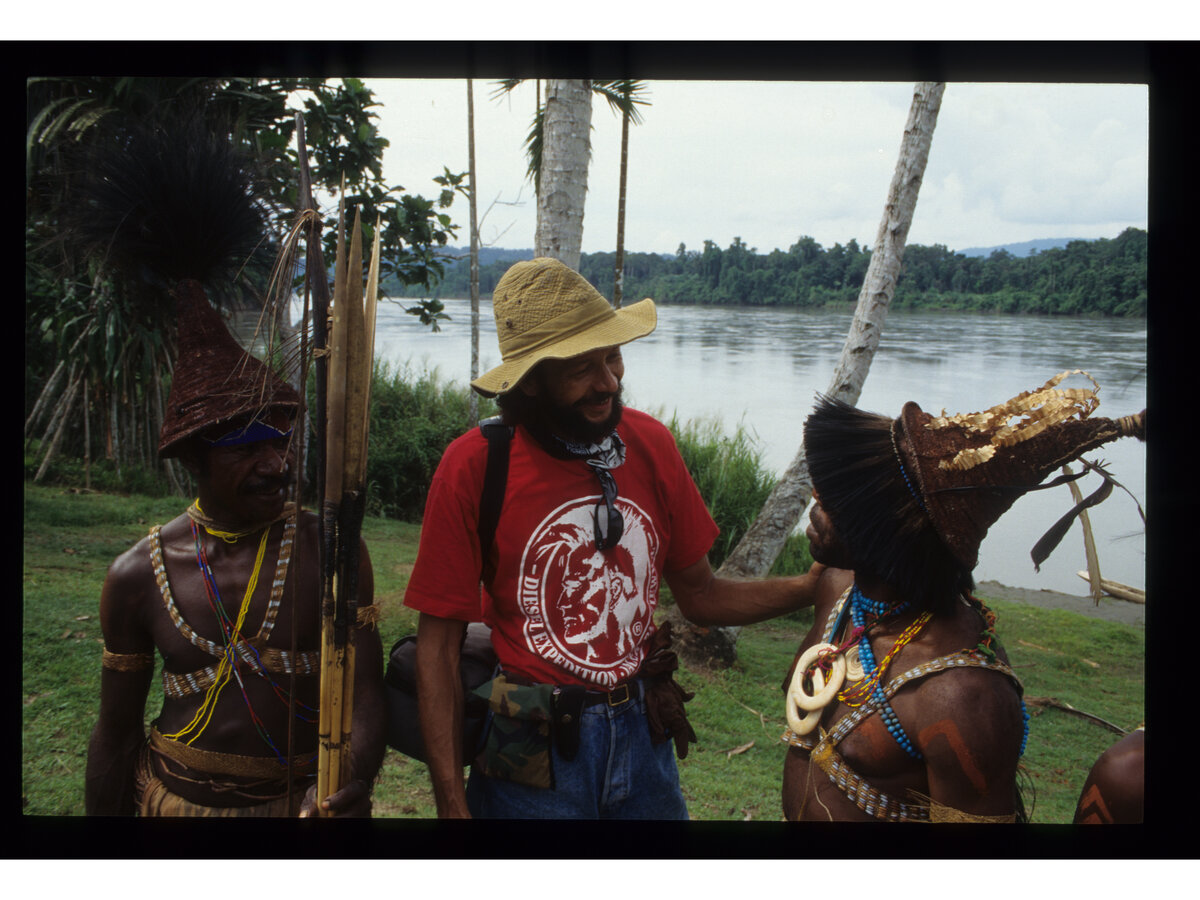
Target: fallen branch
(1118, 590)
(737, 751)
(1068, 708)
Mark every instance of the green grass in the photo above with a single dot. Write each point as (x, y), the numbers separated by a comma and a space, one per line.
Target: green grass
(733, 773)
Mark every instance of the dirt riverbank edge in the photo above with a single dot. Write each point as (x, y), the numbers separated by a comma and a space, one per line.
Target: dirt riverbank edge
(1110, 609)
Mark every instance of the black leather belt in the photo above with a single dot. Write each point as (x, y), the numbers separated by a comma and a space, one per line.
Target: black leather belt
(622, 693)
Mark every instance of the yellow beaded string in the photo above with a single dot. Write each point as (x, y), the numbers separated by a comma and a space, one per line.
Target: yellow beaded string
(857, 695)
(224, 669)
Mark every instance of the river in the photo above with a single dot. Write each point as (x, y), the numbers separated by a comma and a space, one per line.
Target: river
(762, 367)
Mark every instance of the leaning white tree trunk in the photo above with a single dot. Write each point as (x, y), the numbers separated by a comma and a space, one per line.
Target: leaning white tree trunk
(566, 148)
(756, 552)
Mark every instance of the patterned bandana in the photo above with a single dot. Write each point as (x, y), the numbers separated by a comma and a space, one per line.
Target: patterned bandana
(608, 454)
(601, 457)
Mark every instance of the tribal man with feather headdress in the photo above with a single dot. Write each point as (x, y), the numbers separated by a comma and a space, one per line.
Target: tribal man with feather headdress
(901, 704)
(227, 594)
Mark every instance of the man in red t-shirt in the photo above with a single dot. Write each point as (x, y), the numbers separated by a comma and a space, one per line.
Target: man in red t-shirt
(599, 508)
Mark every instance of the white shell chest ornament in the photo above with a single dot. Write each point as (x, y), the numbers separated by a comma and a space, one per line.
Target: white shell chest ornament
(820, 673)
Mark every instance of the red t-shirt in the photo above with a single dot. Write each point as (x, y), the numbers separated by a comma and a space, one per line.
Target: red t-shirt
(561, 611)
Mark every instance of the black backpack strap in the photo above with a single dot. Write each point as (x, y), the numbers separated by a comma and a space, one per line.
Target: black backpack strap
(491, 498)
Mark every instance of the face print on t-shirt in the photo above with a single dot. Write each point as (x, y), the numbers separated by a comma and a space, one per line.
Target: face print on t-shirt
(587, 610)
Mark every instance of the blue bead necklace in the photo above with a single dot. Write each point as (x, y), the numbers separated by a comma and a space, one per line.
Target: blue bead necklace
(860, 607)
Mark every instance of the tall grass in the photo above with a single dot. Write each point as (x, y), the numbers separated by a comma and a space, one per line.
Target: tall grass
(414, 417)
(734, 482)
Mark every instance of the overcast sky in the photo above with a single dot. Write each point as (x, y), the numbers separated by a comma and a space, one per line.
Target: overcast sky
(771, 161)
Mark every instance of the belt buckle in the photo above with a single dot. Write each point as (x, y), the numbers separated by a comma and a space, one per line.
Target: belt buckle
(619, 688)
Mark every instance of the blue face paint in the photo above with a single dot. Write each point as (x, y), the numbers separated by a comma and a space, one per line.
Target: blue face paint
(253, 431)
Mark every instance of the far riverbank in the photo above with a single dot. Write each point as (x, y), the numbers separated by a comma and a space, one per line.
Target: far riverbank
(1109, 608)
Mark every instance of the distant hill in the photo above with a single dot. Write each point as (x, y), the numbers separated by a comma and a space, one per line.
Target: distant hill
(1024, 248)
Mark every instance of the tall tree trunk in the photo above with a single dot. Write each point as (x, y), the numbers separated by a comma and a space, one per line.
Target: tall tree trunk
(60, 429)
(756, 552)
(563, 182)
(474, 401)
(619, 265)
(50, 390)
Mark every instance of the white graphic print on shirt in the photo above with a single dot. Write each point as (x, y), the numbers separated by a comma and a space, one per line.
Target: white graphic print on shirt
(589, 611)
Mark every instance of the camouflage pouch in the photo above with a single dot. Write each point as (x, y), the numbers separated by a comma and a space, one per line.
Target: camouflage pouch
(518, 741)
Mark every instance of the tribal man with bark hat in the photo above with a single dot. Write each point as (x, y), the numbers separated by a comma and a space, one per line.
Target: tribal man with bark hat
(598, 509)
(228, 593)
(901, 705)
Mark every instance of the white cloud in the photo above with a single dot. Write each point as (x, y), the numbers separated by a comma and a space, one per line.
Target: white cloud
(771, 161)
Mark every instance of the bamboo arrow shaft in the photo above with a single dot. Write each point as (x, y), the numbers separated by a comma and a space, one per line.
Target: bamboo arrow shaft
(350, 365)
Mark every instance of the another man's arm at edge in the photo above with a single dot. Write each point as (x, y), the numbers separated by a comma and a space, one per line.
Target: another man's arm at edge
(119, 733)
(440, 703)
(708, 600)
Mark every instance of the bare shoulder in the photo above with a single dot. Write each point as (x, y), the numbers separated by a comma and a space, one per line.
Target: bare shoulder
(134, 568)
(1124, 761)
(965, 708)
(130, 586)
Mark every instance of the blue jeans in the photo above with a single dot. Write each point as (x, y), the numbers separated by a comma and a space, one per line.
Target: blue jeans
(617, 774)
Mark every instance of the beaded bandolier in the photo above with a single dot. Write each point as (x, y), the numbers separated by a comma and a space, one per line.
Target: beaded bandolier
(821, 744)
(253, 652)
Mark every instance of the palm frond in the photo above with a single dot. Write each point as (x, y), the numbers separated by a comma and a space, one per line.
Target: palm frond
(624, 96)
(506, 86)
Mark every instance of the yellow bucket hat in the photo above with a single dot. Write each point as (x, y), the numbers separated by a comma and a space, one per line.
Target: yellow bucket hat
(546, 310)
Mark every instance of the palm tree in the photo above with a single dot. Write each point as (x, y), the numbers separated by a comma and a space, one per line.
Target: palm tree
(558, 150)
(756, 552)
(624, 97)
(562, 181)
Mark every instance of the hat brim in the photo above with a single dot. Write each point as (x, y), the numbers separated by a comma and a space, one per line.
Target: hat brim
(626, 324)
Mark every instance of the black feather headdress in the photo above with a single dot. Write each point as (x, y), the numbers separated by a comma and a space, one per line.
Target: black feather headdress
(160, 205)
(857, 476)
(169, 213)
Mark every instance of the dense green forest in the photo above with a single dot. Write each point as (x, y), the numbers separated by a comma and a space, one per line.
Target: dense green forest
(1100, 277)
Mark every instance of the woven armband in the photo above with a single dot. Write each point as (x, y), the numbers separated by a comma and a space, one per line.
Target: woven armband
(368, 616)
(127, 662)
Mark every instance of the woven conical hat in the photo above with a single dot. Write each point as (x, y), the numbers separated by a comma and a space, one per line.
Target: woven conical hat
(215, 380)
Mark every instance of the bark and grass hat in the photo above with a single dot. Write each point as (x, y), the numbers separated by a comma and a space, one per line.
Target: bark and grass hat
(215, 380)
(545, 310)
(890, 485)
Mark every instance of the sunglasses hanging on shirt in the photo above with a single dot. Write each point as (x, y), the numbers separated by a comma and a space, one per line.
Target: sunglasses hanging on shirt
(609, 523)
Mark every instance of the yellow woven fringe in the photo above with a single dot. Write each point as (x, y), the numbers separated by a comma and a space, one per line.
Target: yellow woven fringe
(940, 813)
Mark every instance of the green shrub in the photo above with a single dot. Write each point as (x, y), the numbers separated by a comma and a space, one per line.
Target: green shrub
(414, 417)
(734, 483)
(100, 475)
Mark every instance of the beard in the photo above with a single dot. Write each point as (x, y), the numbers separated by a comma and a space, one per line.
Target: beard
(569, 422)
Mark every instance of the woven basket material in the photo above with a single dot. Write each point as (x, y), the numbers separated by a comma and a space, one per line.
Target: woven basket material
(545, 310)
(962, 517)
(215, 380)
